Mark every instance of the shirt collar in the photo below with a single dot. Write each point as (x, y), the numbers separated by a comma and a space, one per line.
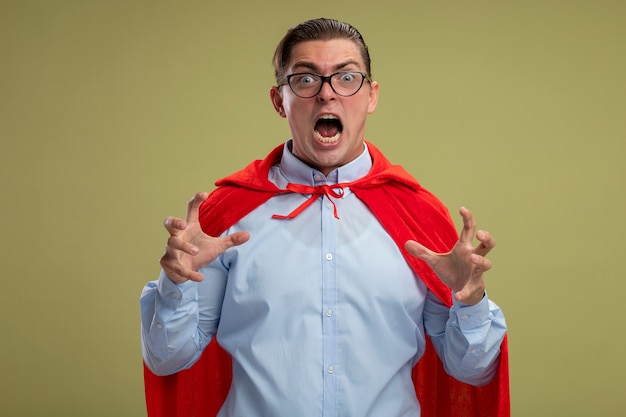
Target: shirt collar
(296, 171)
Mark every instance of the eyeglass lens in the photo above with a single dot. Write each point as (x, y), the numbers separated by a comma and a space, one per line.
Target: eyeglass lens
(345, 83)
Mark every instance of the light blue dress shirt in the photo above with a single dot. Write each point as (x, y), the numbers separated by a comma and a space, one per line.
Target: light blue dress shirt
(322, 316)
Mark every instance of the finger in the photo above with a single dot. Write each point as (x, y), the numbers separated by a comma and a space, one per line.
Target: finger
(175, 243)
(469, 226)
(190, 275)
(236, 239)
(487, 242)
(470, 295)
(194, 205)
(180, 275)
(481, 264)
(418, 250)
(174, 225)
(226, 242)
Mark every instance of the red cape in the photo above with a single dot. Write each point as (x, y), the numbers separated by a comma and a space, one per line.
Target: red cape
(406, 211)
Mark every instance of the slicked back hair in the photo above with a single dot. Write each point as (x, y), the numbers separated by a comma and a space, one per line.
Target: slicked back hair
(322, 29)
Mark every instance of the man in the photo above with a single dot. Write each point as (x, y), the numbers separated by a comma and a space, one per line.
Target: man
(323, 271)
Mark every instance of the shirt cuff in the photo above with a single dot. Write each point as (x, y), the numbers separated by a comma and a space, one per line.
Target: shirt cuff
(174, 295)
(471, 317)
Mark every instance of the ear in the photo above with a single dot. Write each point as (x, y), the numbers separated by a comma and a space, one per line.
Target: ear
(277, 101)
(373, 99)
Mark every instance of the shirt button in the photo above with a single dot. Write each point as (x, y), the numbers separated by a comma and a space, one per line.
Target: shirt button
(329, 205)
(329, 312)
(331, 369)
(465, 317)
(175, 295)
(329, 256)
(159, 326)
(474, 352)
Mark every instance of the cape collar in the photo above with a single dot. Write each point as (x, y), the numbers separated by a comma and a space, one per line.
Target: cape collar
(255, 175)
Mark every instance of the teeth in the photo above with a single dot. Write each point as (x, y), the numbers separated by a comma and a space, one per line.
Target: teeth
(323, 139)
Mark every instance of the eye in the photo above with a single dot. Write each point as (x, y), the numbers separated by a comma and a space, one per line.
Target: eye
(305, 79)
(347, 77)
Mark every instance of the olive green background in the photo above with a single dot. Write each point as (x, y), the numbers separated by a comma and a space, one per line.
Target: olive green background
(114, 113)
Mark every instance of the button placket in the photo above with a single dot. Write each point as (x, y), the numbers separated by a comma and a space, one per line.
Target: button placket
(330, 347)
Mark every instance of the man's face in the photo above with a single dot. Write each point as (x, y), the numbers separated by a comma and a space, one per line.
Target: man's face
(322, 143)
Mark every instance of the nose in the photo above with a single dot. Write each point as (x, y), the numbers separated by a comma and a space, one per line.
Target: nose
(326, 92)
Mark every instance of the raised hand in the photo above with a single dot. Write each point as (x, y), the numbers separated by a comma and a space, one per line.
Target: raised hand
(189, 248)
(462, 268)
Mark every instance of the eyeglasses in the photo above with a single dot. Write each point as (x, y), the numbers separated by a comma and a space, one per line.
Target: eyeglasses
(343, 83)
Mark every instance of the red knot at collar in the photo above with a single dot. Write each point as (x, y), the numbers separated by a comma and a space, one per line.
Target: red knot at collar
(316, 192)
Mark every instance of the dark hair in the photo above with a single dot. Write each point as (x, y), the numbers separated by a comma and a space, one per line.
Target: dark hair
(322, 29)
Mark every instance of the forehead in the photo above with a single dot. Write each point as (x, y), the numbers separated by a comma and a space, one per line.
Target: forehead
(327, 55)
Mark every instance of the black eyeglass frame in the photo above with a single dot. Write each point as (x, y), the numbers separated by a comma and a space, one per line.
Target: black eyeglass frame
(325, 78)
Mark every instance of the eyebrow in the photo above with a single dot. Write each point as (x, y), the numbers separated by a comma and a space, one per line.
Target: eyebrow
(311, 66)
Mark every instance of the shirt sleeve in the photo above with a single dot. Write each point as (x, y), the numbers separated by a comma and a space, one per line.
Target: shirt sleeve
(466, 338)
(179, 320)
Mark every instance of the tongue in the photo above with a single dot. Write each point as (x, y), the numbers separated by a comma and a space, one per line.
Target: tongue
(327, 129)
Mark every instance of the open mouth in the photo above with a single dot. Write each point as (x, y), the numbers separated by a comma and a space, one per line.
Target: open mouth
(328, 128)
